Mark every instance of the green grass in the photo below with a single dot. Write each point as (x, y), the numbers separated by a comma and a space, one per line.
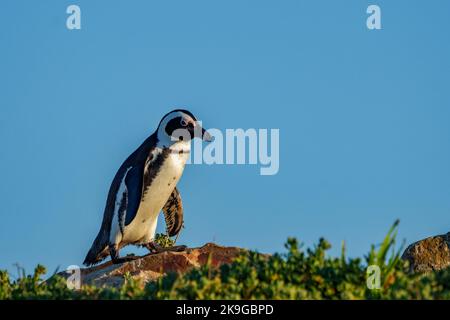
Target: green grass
(164, 240)
(293, 274)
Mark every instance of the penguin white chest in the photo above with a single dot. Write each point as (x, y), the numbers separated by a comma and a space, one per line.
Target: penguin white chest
(143, 227)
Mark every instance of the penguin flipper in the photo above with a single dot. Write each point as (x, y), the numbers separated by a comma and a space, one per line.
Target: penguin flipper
(173, 213)
(134, 183)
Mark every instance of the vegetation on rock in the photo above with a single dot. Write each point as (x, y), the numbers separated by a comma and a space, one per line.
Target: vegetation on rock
(164, 240)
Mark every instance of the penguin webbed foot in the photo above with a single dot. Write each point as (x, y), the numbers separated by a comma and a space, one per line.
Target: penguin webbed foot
(119, 260)
(114, 253)
(153, 247)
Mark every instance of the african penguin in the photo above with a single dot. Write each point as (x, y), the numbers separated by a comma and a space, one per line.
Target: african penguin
(145, 185)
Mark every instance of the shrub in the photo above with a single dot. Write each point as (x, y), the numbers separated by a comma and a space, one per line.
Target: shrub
(295, 274)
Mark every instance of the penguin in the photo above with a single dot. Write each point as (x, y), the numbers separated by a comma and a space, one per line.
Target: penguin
(145, 185)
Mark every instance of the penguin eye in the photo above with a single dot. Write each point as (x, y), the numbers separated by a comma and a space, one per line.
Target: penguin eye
(183, 122)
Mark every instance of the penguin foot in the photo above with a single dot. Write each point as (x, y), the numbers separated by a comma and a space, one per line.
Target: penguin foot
(124, 259)
(153, 247)
(114, 253)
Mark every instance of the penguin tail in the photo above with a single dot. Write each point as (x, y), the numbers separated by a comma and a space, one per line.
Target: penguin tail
(98, 252)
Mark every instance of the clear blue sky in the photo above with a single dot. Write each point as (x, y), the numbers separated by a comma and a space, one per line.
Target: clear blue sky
(363, 118)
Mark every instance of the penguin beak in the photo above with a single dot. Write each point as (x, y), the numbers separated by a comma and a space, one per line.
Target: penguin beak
(206, 136)
(197, 131)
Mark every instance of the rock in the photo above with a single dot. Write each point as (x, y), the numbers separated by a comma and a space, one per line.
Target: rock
(153, 266)
(430, 254)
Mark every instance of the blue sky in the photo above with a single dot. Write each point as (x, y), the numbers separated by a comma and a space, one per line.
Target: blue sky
(363, 118)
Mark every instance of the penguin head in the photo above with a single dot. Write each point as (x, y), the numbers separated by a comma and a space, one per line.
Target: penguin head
(181, 125)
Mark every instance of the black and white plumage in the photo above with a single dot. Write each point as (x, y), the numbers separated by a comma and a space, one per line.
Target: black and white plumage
(144, 185)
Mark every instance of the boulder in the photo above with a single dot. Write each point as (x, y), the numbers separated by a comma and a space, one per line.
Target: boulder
(153, 266)
(430, 254)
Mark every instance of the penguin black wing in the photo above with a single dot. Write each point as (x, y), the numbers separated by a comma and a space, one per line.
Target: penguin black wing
(173, 213)
(133, 194)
